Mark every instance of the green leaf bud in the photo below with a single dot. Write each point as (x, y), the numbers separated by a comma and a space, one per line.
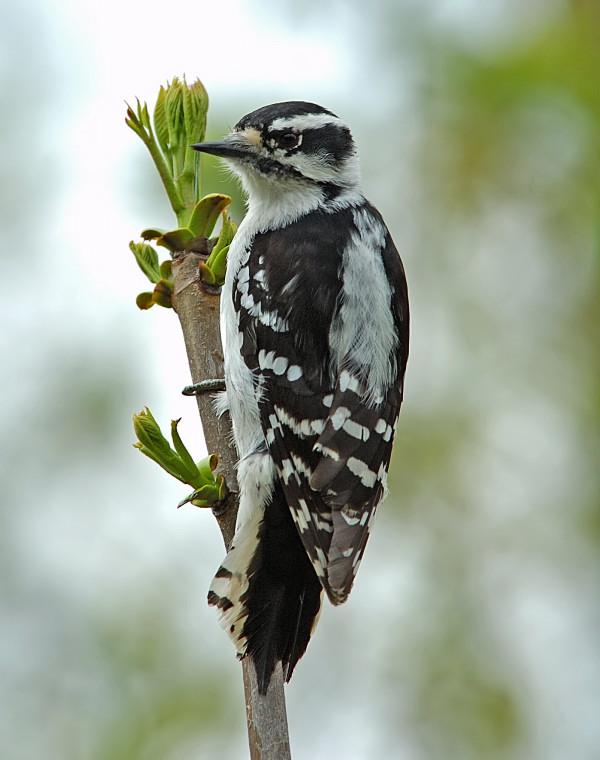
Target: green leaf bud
(147, 260)
(145, 301)
(176, 240)
(155, 446)
(206, 213)
(160, 121)
(206, 274)
(151, 233)
(166, 270)
(194, 477)
(162, 294)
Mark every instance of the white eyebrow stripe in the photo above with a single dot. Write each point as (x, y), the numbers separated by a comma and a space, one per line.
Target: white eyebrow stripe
(307, 121)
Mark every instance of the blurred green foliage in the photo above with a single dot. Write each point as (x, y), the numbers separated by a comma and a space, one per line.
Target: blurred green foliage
(508, 161)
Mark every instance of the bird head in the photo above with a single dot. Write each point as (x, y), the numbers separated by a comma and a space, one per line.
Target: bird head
(290, 147)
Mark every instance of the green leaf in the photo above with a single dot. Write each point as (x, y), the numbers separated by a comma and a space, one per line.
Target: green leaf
(207, 466)
(176, 128)
(222, 485)
(145, 301)
(219, 266)
(195, 106)
(148, 431)
(228, 230)
(147, 260)
(140, 123)
(153, 444)
(160, 121)
(190, 498)
(151, 233)
(162, 294)
(176, 240)
(145, 117)
(173, 103)
(206, 212)
(206, 274)
(205, 496)
(195, 478)
(179, 463)
(134, 120)
(217, 261)
(166, 270)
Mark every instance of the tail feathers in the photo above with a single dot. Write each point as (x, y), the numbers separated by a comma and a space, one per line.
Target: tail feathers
(281, 619)
(267, 592)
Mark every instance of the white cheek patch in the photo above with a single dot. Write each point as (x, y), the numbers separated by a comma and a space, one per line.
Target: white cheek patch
(312, 165)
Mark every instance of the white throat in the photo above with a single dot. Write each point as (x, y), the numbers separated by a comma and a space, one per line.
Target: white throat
(274, 202)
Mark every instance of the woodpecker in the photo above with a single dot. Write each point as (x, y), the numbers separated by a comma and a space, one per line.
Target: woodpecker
(315, 318)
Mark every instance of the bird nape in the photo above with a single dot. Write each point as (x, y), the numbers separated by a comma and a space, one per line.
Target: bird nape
(316, 321)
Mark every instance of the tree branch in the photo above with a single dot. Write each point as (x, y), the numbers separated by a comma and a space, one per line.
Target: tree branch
(198, 313)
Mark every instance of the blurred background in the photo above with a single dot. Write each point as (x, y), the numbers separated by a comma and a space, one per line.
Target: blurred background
(473, 629)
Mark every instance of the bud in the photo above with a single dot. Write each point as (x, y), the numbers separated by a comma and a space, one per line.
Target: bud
(179, 121)
(209, 488)
(160, 121)
(149, 433)
(147, 260)
(154, 445)
(194, 476)
(162, 294)
(195, 107)
(180, 114)
(173, 100)
(217, 261)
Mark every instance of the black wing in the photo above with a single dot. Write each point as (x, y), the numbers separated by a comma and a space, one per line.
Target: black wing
(330, 446)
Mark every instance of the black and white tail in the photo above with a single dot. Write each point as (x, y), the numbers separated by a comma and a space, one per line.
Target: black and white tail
(266, 590)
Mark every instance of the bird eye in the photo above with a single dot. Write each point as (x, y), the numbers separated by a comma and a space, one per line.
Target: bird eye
(289, 140)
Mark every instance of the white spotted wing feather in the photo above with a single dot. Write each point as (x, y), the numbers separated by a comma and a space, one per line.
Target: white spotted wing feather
(323, 325)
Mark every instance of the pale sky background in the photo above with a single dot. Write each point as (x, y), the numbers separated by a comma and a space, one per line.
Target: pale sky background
(89, 525)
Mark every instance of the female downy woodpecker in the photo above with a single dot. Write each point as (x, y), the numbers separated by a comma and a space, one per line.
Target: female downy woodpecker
(315, 319)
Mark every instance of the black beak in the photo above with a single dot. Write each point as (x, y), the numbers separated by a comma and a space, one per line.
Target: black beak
(226, 148)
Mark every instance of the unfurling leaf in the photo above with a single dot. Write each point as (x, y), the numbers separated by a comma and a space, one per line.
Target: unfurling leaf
(206, 213)
(176, 240)
(195, 107)
(217, 261)
(147, 259)
(160, 121)
(178, 462)
(228, 230)
(195, 477)
(219, 266)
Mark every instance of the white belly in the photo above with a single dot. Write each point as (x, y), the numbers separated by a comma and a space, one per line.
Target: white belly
(241, 396)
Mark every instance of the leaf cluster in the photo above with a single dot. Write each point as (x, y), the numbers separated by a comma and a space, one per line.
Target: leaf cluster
(208, 487)
(194, 237)
(179, 121)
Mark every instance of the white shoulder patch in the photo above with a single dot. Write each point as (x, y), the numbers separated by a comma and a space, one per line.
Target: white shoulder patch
(363, 337)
